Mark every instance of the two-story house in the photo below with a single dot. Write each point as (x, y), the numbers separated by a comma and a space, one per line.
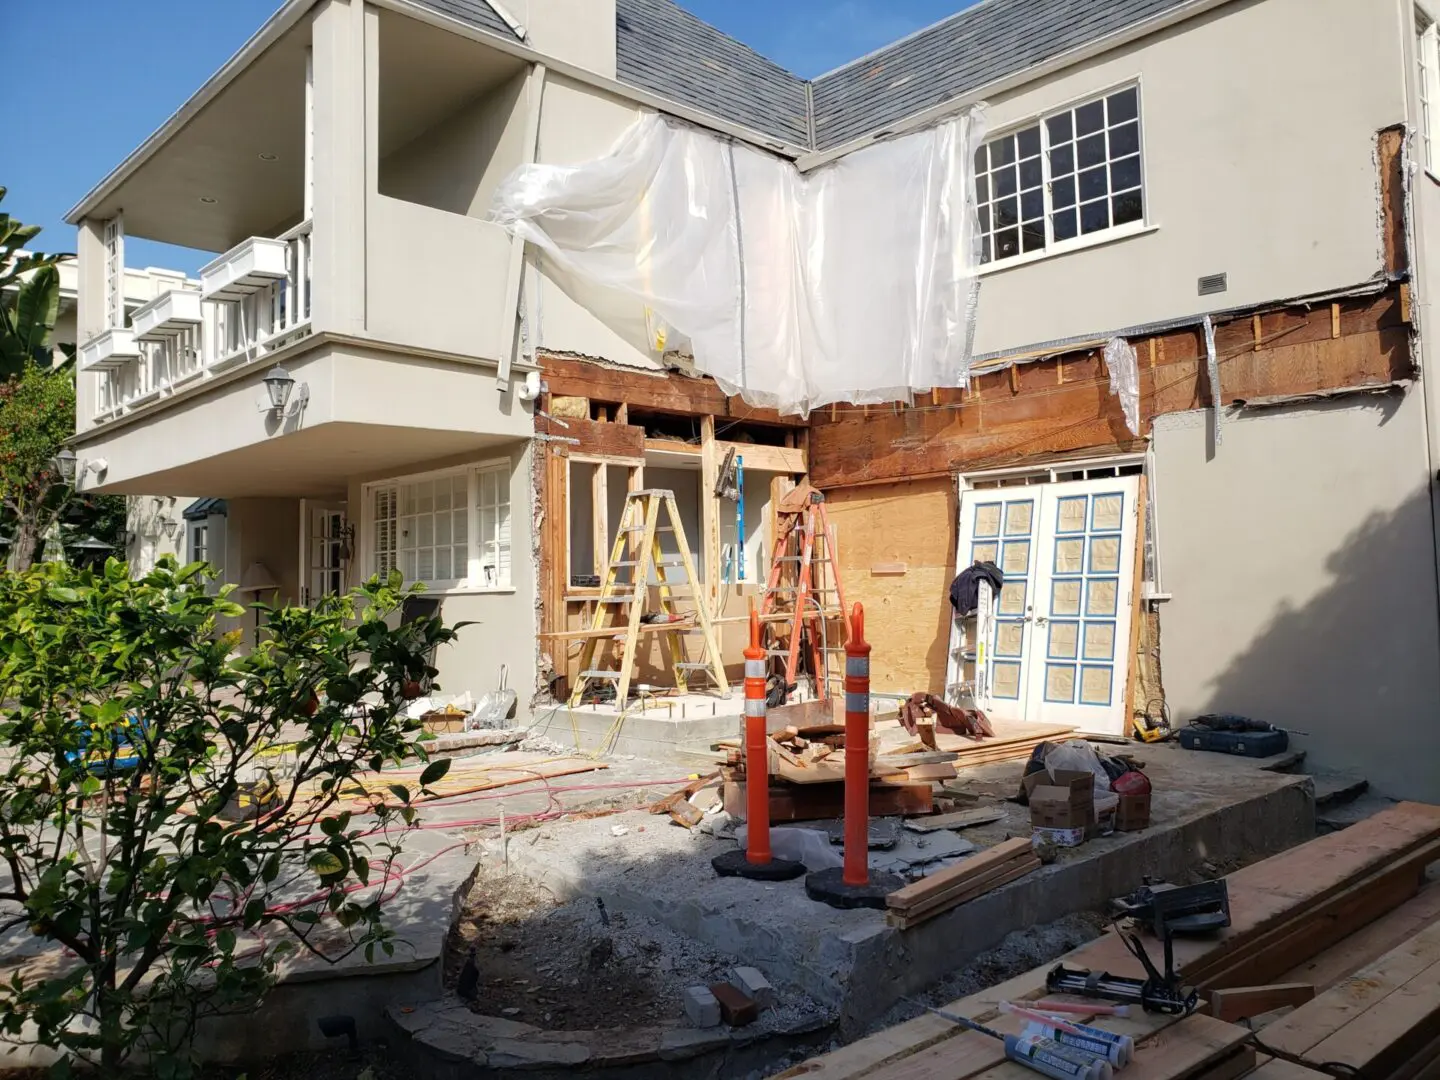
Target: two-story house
(372, 375)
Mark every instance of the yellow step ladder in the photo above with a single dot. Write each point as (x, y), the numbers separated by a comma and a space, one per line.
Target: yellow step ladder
(637, 551)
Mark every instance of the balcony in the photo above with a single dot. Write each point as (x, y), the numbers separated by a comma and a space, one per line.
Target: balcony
(253, 300)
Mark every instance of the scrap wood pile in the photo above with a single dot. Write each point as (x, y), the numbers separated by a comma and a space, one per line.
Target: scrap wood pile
(807, 762)
(1332, 955)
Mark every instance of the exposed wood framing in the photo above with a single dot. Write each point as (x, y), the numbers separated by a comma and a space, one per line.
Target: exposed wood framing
(1389, 150)
(1298, 355)
(595, 438)
(710, 512)
(1137, 605)
(656, 391)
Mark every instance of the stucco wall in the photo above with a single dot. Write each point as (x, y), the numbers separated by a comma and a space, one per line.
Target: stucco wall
(457, 164)
(1258, 128)
(503, 625)
(1299, 554)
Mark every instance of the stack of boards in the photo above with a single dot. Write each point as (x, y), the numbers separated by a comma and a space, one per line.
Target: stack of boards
(972, 877)
(1350, 915)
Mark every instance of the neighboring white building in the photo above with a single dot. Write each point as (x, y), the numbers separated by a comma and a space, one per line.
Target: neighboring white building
(356, 373)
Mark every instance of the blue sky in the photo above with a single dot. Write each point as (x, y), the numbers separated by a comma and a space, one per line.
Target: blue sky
(100, 75)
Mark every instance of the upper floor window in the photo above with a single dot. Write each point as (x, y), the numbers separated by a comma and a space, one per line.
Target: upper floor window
(450, 530)
(1427, 62)
(199, 542)
(1074, 174)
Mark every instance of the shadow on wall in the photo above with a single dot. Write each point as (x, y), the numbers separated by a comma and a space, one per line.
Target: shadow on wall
(1355, 664)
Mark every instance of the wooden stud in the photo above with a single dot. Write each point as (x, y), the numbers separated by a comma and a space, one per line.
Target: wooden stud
(935, 396)
(1137, 602)
(602, 413)
(1014, 379)
(622, 413)
(1334, 320)
(1154, 348)
(709, 514)
(1258, 330)
(1405, 302)
(1059, 371)
(834, 412)
(600, 512)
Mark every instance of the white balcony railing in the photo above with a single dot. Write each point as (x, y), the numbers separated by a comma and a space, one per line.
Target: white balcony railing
(253, 300)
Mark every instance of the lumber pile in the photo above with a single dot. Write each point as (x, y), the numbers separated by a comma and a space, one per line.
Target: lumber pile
(902, 771)
(1344, 916)
(939, 892)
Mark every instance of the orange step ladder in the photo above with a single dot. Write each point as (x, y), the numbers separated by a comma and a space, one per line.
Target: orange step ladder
(803, 594)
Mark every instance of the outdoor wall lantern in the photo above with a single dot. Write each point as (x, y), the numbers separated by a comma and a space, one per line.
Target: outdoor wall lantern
(280, 388)
(64, 463)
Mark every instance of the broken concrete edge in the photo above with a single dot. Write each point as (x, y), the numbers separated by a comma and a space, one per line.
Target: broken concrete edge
(448, 1030)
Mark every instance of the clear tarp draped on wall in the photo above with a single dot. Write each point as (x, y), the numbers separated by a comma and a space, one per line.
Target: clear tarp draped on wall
(853, 282)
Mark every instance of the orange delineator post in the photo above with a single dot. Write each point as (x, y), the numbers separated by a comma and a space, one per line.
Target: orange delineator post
(757, 751)
(857, 753)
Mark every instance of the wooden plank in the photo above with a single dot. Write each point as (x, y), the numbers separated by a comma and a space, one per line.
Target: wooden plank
(1313, 1023)
(1367, 944)
(1326, 923)
(621, 442)
(960, 819)
(1387, 1035)
(1236, 1065)
(1241, 1002)
(937, 771)
(709, 515)
(963, 892)
(968, 870)
(1181, 1051)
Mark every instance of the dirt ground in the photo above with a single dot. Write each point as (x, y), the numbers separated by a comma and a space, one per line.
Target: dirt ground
(571, 966)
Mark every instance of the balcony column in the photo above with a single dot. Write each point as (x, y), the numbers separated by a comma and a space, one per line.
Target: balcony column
(91, 314)
(338, 64)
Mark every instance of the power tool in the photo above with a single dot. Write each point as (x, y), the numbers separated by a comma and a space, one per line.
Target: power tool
(1167, 910)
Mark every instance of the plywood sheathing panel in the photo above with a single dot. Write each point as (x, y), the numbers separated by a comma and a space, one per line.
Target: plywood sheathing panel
(991, 426)
(906, 615)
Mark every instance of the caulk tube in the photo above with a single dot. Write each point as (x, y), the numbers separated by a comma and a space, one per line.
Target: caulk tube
(1101, 1044)
(1119, 1050)
(1058, 1062)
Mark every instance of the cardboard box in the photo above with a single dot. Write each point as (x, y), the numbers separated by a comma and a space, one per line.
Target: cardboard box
(1065, 800)
(1133, 813)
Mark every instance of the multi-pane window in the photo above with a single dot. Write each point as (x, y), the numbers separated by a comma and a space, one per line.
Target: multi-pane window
(1427, 61)
(451, 530)
(1075, 173)
(199, 542)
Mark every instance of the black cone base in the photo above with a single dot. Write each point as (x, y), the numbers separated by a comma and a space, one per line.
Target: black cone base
(828, 886)
(735, 864)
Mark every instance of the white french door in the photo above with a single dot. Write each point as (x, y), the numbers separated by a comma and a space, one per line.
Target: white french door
(1057, 649)
(324, 542)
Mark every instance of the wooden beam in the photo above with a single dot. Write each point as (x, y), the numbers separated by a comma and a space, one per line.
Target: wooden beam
(1334, 320)
(1243, 1002)
(599, 440)
(1258, 328)
(778, 459)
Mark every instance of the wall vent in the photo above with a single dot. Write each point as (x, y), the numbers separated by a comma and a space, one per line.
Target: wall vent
(1211, 284)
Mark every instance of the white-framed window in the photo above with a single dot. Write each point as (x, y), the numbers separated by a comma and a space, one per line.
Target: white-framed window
(449, 530)
(1427, 80)
(1063, 179)
(199, 542)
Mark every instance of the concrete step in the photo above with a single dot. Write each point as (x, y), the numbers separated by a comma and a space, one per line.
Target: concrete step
(1341, 816)
(1337, 789)
(1288, 762)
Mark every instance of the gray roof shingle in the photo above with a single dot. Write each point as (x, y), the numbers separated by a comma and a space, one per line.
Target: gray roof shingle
(974, 47)
(661, 47)
(475, 12)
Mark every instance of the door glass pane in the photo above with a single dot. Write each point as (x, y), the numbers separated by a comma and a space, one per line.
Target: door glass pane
(1100, 596)
(1017, 518)
(986, 552)
(1060, 683)
(1063, 640)
(1009, 637)
(1016, 557)
(1069, 556)
(1005, 680)
(1099, 641)
(1065, 598)
(1095, 686)
(987, 520)
(1104, 555)
(1012, 598)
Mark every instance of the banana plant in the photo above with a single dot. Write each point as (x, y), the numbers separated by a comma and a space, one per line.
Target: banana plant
(29, 298)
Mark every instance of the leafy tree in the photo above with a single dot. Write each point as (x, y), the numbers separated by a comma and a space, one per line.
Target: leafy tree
(132, 735)
(37, 415)
(29, 298)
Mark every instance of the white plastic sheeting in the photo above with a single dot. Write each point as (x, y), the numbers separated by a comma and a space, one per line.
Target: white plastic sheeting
(1124, 368)
(854, 282)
